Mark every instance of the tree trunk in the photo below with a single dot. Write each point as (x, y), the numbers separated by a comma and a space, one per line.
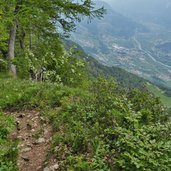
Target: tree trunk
(22, 45)
(30, 41)
(11, 49)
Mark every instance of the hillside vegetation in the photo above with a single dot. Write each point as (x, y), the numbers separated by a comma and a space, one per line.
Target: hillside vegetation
(92, 126)
(166, 99)
(95, 68)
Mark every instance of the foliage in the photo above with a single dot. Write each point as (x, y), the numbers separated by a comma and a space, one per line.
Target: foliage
(3, 26)
(67, 70)
(8, 148)
(3, 65)
(25, 23)
(101, 128)
(24, 94)
(161, 92)
(38, 56)
(104, 131)
(142, 148)
(97, 124)
(61, 67)
(150, 106)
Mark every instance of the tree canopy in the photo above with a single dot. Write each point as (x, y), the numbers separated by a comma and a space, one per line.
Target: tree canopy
(28, 21)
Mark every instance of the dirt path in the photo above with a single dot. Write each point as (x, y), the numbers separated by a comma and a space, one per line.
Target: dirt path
(34, 136)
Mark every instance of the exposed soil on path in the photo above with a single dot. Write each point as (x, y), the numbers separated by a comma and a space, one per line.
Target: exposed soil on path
(34, 136)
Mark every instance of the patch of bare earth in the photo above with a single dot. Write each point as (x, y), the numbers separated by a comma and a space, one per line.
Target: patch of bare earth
(34, 136)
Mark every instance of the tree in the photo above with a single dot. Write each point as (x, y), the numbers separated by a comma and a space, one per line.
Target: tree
(43, 18)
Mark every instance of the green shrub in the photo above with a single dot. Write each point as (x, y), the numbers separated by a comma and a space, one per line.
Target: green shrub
(102, 128)
(8, 148)
(105, 130)
(18, 94)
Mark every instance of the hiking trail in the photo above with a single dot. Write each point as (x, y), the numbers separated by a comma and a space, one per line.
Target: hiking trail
(34, 135)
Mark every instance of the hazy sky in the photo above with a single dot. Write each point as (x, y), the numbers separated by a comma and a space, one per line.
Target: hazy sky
(138, 8)
(140, 4)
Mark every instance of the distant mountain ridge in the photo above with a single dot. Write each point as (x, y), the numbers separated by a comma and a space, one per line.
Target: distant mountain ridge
(113, 24)
(156, 11)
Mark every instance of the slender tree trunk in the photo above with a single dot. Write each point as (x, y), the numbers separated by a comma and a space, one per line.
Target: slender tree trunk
(11, 49)
(22, 44)
(30, 41)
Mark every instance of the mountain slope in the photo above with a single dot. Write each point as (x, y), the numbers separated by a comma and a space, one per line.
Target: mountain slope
(123, 77)
(95, 69)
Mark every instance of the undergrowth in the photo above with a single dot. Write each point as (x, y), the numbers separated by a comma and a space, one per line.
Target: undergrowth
(24, 94)
(109, 130)
(102, 128)
(8, 148)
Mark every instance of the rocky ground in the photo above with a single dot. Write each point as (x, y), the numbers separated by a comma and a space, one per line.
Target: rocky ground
(34, 135)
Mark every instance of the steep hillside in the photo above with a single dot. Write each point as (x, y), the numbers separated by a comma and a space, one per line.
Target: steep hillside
(123, 77)
(96, 69)
(163, 94)
(48, 126)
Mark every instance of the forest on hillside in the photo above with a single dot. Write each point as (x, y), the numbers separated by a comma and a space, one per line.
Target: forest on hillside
(62, 110)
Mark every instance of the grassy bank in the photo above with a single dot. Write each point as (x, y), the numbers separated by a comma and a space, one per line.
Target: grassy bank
(159, 93)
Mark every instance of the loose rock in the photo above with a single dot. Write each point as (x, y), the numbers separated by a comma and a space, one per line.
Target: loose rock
(47, 169)
(40, 140)
(25, 158)
(26, 149)
(54, 167)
